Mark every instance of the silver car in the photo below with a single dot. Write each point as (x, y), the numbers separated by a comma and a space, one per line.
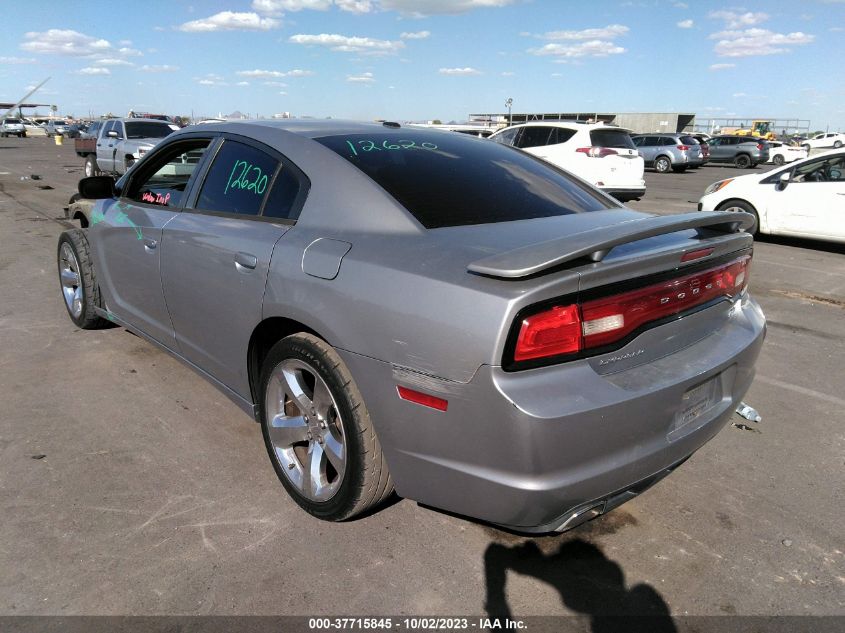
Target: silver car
(664, 152)
(743, 151)
(425, 311)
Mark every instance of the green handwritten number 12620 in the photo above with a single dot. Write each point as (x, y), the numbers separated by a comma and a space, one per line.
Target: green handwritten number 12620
(371, 146)
(257, 185)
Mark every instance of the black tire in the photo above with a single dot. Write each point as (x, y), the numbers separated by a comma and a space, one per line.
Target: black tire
(89, 291)
(743, 161)
(742, 205)
(127, 163)
(3, 135)
(662, 164)
(806, 146)
(91, 168)
(837, 144)
(778, 160)
(365, 481)
(23, 134)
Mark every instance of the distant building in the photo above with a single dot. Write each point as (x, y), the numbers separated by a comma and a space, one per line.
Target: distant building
(635, 121)
(282, 115)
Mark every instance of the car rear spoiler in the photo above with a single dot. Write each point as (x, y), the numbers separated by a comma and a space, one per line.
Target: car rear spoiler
(595, 244)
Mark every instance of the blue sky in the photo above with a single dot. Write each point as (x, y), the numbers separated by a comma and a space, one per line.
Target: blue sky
(430, 59)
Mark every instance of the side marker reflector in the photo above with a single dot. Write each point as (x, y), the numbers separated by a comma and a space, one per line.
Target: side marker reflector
(422, 398)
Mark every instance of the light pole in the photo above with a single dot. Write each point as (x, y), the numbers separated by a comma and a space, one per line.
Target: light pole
(509, 103)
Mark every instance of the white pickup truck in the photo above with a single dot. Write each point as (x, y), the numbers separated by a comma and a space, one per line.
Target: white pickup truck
(120, 142)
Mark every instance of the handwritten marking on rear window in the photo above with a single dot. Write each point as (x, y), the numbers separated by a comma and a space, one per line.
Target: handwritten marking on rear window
(372, 146)
(258, 184)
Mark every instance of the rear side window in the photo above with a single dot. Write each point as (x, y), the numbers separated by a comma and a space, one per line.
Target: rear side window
(611, 138)
(560, 135)
(452, 180)
(666, 141)
(689, 140)
(238, 180)
(534, 136)
(283, 201)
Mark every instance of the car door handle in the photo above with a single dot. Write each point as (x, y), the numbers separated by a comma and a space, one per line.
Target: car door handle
(245, 260)
(150, 244)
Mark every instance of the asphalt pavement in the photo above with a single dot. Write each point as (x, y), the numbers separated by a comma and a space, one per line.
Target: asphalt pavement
(128, 485)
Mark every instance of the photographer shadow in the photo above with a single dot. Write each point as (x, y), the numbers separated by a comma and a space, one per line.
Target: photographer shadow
(588, 582)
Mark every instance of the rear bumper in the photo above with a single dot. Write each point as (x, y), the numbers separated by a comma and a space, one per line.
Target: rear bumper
(528, 450)
(625, 193)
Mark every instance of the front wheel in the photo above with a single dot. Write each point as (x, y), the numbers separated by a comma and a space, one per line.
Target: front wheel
(837, 144)
(77, 279)
(741, 205)
(778, 160)
(318, 432)
(662, 165)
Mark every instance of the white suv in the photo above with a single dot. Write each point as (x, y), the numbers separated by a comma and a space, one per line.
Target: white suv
(603, 155)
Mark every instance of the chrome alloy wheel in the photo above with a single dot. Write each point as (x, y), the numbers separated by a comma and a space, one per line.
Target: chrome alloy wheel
(71, 283)
(306, 430)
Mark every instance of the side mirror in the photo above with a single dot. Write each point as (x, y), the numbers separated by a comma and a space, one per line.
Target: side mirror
(97, 187)
(784, 179)
(111, 134)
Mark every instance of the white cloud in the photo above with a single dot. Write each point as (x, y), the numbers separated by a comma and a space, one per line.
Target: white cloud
(459, 71)
(346, 44)
(752, 42)
(354, 6)
(231, 21)
(685, 24)
(211, 79)
(594, 48)
(274, 74)
(275, 84)
(125, 42)
(111, 61)
(159, 28)
(17, 60)
(836, 29)
(721, 66)
(129, 52)
(508, 73)
(419, 35)
(680, 5)
(734, 20)
(162, 68)
(419, 8)
(363, 78)
(612, 31)
(277, 7)
(65, 42)
(91, 70)
(242, 83)
(737, 95)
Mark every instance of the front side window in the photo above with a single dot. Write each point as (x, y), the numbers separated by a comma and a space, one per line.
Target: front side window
(451, 180)
(828, 170)
(147, 129)
(163, 180)
(507, 137)
(238, 180)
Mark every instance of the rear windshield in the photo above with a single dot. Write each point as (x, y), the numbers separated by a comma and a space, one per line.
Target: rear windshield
(611, 138)
(147, 129)
(12, 121)
(447, 179)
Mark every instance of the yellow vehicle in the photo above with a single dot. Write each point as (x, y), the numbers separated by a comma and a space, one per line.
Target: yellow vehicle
(760, 129)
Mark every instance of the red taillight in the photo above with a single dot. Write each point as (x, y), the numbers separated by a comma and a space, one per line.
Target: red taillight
(683, 148)
(424, 399)
(597, 152)
(564, 330)
(759, 146)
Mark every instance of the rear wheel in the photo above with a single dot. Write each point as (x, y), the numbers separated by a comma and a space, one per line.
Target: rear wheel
(743, 161)
(837, 144)
(77, 279)
(741, 205)
(778, 160)
(91, 168)
(662, 164)
(318, 432)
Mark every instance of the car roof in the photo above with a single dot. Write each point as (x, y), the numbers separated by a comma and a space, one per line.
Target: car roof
(309, 128)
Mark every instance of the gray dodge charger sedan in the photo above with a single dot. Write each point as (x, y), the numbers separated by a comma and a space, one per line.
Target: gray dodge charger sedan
(426, 311)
